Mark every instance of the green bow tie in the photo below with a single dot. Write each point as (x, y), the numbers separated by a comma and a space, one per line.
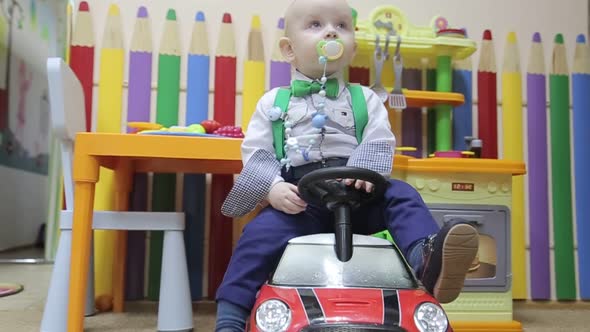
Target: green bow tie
(301, 88)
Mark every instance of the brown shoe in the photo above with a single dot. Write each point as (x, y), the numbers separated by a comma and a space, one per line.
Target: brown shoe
(447, 258)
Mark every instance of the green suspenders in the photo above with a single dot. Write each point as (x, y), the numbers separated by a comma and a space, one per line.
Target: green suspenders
(359, 111)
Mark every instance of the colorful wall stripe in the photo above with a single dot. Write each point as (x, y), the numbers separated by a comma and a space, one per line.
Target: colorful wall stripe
(563, 240)
(138, 109)
(512, 129)
(164, 185)
(463, 114)
(581, 120)
(224, 111)
(110, 108)
(538, 174)
(194, 187)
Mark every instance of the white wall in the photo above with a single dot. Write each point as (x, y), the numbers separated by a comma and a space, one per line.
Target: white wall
(23, 195)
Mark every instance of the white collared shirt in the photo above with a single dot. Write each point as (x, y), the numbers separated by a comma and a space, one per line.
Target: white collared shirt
(339, 139)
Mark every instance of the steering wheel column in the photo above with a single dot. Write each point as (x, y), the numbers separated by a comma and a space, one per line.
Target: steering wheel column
(323, 188)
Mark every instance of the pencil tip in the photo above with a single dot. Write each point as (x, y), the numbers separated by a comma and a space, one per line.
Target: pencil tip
(537, 37)
(281, 23)
(487, 35)
(512, 37)
(83, 6)
(256, 22)
(559, 38)
(226, 18)
(142, 12)
(581, 39)
(200, 17)
(114, 10)
(171, 15)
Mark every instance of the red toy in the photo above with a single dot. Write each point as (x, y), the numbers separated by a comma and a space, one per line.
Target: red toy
(320, 285)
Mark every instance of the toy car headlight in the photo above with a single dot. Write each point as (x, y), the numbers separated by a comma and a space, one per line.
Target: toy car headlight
(273, 316)
(429, 317)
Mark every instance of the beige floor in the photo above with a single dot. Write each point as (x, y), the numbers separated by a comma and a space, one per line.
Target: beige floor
(22, 312)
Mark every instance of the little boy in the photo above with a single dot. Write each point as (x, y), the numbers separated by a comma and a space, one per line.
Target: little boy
(319, 130)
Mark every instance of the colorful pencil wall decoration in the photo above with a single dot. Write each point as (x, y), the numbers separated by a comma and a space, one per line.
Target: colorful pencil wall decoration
(253, 89)
(512, 130)
(463, 114)
(280, 70)
(537, 172)
(164, 185)
(431, 115)
(565, 277)
(194, 187)
(138, 109)
(224, 111)
(110, 107)
(444, 83)
(487, 112)
(411, 117)
(82, 56)
(359, 70)
(581, 120)
(413, 130)
(254, 72)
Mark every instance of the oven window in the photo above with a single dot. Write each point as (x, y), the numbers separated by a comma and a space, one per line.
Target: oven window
(484, 264)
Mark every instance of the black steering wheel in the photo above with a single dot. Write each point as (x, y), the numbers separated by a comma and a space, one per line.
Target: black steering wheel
(323, 187)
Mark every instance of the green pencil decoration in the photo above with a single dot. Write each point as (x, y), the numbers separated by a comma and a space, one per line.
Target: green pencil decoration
(444, 83)
(164, 185)
(563, 239)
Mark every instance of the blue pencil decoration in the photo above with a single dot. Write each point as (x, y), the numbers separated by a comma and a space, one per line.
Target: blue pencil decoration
(581, 120)
(194, 188)
(462, 114)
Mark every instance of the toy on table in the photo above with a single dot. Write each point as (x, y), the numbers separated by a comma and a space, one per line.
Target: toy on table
(210, 128)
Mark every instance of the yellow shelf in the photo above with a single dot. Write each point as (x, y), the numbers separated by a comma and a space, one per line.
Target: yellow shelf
(417, 41)
(419, 98)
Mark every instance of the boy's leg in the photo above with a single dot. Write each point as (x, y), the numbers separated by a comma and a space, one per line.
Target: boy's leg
(256, 254)
(440, 256)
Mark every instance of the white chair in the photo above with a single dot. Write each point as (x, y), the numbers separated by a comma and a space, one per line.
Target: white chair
(175, 307)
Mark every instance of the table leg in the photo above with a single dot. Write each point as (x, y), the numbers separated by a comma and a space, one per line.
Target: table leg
(123, 179)
(80, 256)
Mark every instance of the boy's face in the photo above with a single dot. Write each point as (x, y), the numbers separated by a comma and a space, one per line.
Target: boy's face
(310, 21)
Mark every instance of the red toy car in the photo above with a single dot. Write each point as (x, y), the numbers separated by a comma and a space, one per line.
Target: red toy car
(320, 285)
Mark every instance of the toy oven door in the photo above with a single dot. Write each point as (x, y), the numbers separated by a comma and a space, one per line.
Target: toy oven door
(491, 269)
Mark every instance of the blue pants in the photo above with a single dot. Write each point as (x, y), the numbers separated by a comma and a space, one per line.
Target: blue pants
(401, 211)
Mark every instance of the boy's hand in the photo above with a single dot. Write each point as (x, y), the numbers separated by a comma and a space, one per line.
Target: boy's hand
(284, 196)
(358, 184)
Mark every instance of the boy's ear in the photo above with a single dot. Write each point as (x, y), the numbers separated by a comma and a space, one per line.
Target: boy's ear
(286, 49)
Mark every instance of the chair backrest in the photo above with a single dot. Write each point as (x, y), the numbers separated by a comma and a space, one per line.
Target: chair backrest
(66, 99)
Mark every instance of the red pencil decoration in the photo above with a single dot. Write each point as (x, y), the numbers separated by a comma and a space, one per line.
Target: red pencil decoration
(82, 56)
(487, 120)
(224, 111)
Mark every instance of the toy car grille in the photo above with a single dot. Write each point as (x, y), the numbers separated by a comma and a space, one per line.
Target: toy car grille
(352, 328)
